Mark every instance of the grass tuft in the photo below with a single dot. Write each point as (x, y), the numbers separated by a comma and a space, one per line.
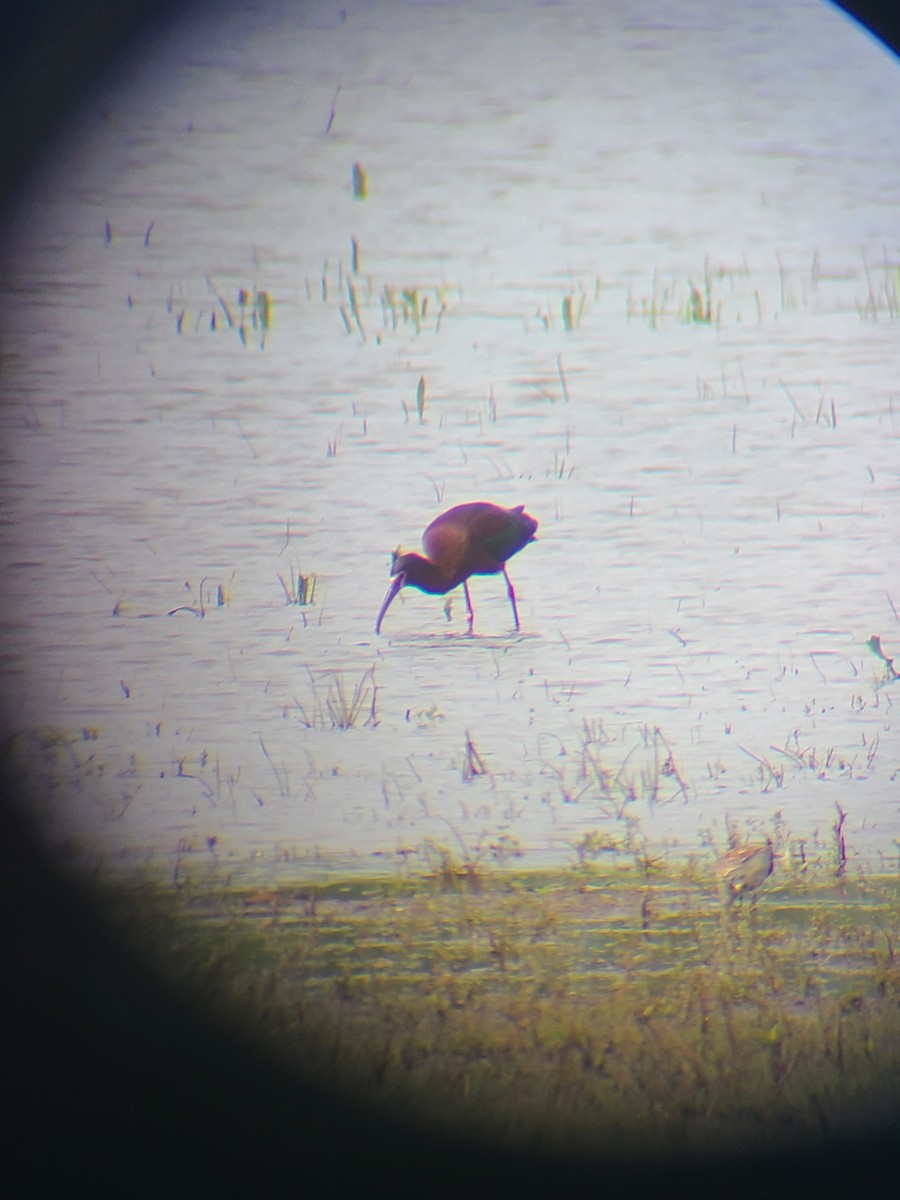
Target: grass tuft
(360, 182)
(301, 590)
(332, 703)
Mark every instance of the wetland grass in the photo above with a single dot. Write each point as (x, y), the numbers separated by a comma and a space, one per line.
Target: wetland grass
(346, 709)
(333, 705)
(563, 381)
(254, 309)
(416, 305)
(301, 590)
(360, 182)
(353, 298)
(545, 1010)
(208, 595)
(572, 312)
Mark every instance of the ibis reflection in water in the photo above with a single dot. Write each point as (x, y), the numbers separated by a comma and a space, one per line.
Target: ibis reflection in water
(470, 539)
(744, 869)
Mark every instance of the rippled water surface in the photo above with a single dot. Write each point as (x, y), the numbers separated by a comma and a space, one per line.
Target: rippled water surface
(650, 255)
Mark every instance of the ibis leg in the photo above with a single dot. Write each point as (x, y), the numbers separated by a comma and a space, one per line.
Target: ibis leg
(510, 591)
(470, 612)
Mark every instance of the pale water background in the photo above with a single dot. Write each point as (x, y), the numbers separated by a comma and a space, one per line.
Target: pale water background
(718, 501)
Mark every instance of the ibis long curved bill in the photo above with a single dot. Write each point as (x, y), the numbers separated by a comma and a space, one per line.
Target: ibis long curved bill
(396, 584)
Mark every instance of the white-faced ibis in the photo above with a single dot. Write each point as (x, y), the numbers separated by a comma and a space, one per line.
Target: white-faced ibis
(744, 869)
(470, 539)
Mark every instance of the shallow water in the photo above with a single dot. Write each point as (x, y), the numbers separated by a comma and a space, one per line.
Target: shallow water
(717, 498)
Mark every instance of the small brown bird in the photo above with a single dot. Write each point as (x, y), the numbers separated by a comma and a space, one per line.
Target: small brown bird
(744, 869)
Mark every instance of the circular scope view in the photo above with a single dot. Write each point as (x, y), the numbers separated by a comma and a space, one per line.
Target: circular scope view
(451, 619)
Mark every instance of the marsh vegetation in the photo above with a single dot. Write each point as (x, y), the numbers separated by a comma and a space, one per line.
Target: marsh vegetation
(591, 1011)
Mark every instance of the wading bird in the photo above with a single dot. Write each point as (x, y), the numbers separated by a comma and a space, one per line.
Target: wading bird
(470, 539)
(744, 869)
